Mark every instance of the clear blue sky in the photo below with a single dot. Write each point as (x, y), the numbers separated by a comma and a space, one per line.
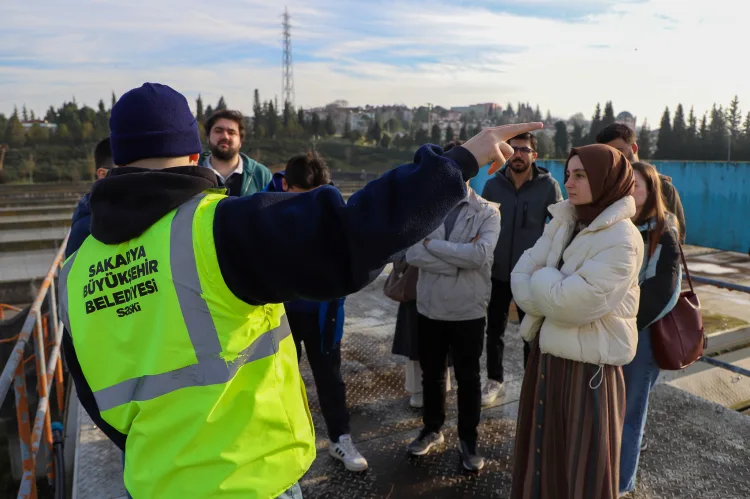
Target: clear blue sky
(564, 55)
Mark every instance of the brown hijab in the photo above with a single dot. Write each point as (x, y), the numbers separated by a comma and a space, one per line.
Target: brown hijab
(610, 176)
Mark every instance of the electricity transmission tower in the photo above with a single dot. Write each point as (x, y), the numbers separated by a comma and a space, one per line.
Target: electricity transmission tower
(287, 73)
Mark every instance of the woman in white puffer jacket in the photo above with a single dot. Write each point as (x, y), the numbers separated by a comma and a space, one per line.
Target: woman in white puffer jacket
(579, 288)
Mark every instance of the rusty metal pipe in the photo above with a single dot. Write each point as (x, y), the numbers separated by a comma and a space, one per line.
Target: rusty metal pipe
(14, 372)
(24, 430)
(28, 486)
(42, 419)
(41, 385)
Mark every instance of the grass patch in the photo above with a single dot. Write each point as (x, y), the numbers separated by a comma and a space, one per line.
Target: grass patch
(715, 323)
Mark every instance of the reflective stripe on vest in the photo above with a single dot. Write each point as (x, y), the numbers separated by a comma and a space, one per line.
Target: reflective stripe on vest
(210, 369)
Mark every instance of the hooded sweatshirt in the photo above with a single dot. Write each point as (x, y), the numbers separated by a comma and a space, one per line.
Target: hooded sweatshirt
(264, 242)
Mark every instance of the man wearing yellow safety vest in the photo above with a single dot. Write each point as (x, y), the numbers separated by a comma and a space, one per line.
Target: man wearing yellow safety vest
(178, 345)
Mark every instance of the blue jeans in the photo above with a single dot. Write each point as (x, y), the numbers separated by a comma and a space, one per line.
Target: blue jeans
(640, 377)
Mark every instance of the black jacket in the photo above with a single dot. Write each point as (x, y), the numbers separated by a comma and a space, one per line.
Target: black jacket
(523, 214)
(266, 242)
(659, 278)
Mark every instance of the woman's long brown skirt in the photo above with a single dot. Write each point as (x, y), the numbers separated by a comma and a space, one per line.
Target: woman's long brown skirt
(568, 434)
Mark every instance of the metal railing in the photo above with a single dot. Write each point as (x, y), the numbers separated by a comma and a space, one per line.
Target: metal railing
(49, 369)
(732, 287)
(722, 284)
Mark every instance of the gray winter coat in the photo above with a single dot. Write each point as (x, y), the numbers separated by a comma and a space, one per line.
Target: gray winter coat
(454, 274)
(524, 214)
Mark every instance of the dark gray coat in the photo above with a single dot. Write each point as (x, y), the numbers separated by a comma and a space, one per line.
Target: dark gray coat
(523, 215)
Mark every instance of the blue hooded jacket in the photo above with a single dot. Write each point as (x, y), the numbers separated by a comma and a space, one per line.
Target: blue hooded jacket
(275, 184)
(80, 227)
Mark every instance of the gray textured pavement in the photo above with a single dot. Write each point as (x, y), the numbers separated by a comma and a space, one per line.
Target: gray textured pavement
(697, 449)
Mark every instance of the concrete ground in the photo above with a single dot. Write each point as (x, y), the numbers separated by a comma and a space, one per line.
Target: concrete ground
(697, 449)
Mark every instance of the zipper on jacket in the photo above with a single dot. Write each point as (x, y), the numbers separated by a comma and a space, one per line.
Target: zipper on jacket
(513, 227)
(525, 209)
(512, 235)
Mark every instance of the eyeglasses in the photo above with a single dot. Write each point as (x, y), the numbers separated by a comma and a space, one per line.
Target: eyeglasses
(523, 149)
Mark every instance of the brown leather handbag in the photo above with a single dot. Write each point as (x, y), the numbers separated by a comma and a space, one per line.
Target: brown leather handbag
(401, 285)
(678, 338)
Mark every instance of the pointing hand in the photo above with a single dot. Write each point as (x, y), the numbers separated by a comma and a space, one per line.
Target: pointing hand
(491, 143)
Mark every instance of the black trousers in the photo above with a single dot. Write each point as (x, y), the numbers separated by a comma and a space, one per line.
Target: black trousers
(326, 369)
(463, 339)
(497, 322)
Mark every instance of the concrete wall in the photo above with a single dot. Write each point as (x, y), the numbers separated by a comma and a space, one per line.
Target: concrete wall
(715, 195)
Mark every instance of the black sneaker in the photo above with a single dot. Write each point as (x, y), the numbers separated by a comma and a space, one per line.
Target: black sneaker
(470, 460)
(424, 442)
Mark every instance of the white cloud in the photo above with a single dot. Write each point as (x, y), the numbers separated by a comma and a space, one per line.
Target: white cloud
(642, 55)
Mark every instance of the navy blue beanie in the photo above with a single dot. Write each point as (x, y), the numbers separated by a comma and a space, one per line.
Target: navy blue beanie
(153, 121)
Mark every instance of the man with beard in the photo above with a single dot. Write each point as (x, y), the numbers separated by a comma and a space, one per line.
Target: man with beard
(622, 138)
(524, 192)
(240, 174)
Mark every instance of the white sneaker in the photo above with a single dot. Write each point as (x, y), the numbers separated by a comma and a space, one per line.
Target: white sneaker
(492, 389)
(345, 451)
(416, 400)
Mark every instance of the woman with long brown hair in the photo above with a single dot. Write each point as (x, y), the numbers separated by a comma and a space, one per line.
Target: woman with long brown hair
(579, 288)
(660, 282)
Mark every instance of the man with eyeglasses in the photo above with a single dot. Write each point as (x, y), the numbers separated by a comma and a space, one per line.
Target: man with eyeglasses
(524, 192)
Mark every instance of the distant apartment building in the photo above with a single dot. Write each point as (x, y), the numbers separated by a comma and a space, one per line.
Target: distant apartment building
(480, 111)
(42, 124)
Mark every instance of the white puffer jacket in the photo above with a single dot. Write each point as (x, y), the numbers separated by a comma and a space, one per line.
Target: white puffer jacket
(586, 310)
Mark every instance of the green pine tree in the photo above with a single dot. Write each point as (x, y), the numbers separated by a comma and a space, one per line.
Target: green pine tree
(734, 119)
(664, 142)
(596, 124)
(718, 137)
(436, 135)
(679, 135)
(609, 114)
(703, 139)
(271, 121)
(315, 127)
(644, 141)
(199, 115)
(561, 139)
(329, 126)
(450, 135)
(576, 137)
(258, 117)
(463, 134)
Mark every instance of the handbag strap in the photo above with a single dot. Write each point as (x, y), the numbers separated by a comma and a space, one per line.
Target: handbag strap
(684, 264)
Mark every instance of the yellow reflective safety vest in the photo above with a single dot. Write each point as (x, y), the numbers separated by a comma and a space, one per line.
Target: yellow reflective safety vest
(205, 386)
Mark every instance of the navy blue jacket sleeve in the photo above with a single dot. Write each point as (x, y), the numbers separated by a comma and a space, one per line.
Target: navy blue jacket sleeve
(80, 226)
(278, 247)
